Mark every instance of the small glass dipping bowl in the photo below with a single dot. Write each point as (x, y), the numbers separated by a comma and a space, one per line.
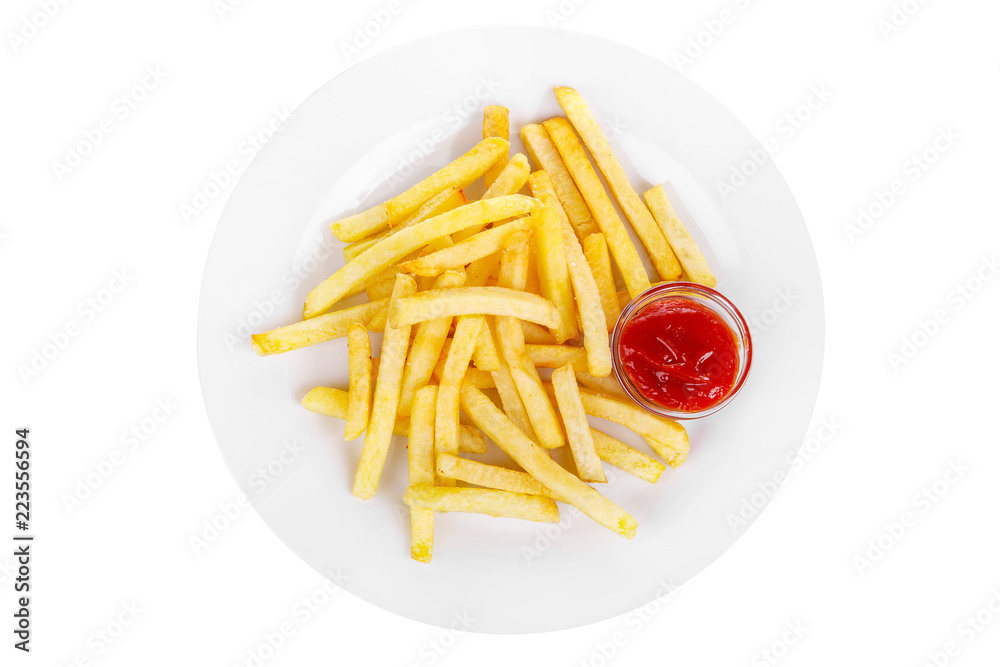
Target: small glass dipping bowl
(708, 298)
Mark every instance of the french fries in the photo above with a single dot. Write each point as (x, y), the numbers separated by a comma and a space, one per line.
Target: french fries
(583, 120)
(483, 501)
(609, 386)
(665, 436)
(553, 274)
(581, 442)
(467, 333)
(317, 330)
(555, 356)
(462, 253)
(623, 457)
(496, 123)
(490, 476)
(474, 301)
(359, 365)
(690, 256)
(543, 153)
(420, 466)
(634, 273)
(595, 249)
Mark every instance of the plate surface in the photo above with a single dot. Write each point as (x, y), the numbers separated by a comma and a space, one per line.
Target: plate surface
(370, 133)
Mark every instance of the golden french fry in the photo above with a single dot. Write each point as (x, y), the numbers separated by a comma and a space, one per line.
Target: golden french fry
(504, 383)
(459, 173)
(678, 236)
(543, 153)
(623, 457)
(491, 502)
(479, 271)
(333, 403)
(496, 123)
(583, 120)
(556, 356)
(397, 246)
(581, 442)
(420, 465)
(467, 334)
(426, 349)
(381, 290)
(537, 462)
(665, 436)
(610, 386)
(595, 249)
(377, 323)
(486, 356)
(475, 247)
(317, 330)
(541, 414)
(508, 182)
(359, 365)
(386, 399)
(474, 301)
(625, 254)
(592, 320)
(352, 250)
(490, 476)
(553, 274)
(536, 335)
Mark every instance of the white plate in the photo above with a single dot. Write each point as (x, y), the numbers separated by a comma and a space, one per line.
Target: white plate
(424, 100)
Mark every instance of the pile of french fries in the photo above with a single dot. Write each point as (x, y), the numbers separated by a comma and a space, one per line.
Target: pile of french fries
(472, 298)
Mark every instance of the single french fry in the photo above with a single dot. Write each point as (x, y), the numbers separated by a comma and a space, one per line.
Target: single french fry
(588, 303)
(541, 413)
(491, 502)
(507, 389)
(679, 238)
(537, 462)
(610, 386)
(536, 335)
(574, 418)
(459, 173)
(352, 250)
(556, 356)
(377, 323)
(490, 476)
(553, 274)
(386, 399)
(508, 182)
(426, 349)
(496, 123)
(359, 366)
(645, 226)
(665, 436)
(316, 330)
(467, 332)
(486, 357)
(397, 246)
(543, 153)
(475, 247)
(625, 254)
(474, 301)
(623, 457)
(381, 290)
(333, 403)
(595, 249)
(420, 465)
(479, 271)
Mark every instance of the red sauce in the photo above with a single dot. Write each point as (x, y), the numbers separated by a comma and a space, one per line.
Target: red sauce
(679, 354)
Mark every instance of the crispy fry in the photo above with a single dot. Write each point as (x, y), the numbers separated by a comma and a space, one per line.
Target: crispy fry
(543, 153)
(317, 330)
(537, 462)
(426, 349)
(467, 333)
(475, 247)
(491, 502)
(474, 301)
(623, 457)
(536, 335)
(665, 436)
(486, 356)
(381, 290)
(479, 271)
(625, 254)
(420, 465)
(352, 250)
(397, 246)
(359, 364)
(556, 356)
(595, 249)
(592, 320)
(508, 182)
(504, 382)
(386, 399)
(678, 236)
(490, 476)
(377, 323)
(583, 120)
(444, 201)
(541, 413)
(574, 418)
(496, 123)
(610, 386)
(553, 274)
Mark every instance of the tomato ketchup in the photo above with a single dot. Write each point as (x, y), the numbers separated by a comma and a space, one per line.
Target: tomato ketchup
(680, 354)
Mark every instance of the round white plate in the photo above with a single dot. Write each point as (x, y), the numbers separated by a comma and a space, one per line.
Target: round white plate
(370, 133)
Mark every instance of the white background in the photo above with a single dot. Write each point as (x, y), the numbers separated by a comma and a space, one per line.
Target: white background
(872, 550)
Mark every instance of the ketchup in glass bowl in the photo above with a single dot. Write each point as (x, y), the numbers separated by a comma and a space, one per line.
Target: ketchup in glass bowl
(681, 350)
